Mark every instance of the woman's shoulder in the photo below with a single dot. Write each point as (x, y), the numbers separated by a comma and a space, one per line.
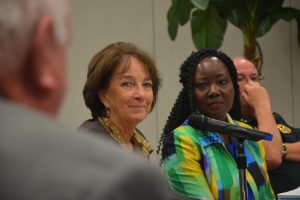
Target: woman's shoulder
(93, 125)
(185, 129)
(187, 133)
(88, 125)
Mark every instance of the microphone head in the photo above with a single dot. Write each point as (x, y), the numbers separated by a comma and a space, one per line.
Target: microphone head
(201, 122)
(198, 121)
(268, 136)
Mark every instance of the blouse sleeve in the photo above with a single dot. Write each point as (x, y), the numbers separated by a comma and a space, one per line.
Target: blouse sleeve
(183, 169)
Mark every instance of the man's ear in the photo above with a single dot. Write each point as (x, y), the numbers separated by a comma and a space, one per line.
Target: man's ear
(42, 56)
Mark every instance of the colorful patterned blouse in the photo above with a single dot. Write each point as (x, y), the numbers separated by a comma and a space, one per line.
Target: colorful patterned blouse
(202, 166)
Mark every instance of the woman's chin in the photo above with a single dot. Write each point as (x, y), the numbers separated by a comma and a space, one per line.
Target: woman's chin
(138, 118)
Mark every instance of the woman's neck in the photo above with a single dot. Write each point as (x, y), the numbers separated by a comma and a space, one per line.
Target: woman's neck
(125, 129)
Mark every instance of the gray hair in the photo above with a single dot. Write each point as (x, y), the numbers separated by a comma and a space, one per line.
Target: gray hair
(17, 24)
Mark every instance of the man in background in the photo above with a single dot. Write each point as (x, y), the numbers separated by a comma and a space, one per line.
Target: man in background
(283, 152)
(40, 159)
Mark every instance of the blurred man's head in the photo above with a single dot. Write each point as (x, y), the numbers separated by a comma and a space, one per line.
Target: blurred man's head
(247, 72)
(34, 35)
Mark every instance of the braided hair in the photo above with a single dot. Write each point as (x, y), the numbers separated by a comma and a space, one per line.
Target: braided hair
(186, 104)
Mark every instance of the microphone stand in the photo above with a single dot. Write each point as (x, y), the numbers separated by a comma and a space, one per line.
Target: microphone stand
(242, 166)
(201, 122)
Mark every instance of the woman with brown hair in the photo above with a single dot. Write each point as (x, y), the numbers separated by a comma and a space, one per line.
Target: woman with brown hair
(120, 91)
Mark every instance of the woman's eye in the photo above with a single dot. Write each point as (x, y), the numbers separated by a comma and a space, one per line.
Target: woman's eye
(223, 81)
(126, 84)
(148, 85)
(201, 85)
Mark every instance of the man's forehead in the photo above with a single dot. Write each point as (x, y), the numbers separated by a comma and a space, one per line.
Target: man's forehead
(246, 67)
(244, 64)
(247, 73)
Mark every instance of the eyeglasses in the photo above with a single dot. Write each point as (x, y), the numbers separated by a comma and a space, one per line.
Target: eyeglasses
(244, 79)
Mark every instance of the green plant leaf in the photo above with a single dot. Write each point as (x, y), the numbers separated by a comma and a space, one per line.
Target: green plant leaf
(286, 14)
(224, 8)
(200, 4)
(172, 21)
(267, 6)
(240, 15)
(184, 8)
(208, 28)
(178, 13)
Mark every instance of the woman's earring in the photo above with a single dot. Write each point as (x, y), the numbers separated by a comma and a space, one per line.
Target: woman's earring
(107, 112)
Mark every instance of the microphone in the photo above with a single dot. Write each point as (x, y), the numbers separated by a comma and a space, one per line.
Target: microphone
(201, 122)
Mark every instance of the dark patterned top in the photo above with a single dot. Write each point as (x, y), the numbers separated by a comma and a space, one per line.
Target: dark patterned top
(139, 142)
(287, 176)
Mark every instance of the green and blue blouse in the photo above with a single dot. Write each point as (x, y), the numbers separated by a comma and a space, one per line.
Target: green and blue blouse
(199, 164)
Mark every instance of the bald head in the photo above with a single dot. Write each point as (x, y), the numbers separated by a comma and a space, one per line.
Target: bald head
(244, 64)
(246, 71)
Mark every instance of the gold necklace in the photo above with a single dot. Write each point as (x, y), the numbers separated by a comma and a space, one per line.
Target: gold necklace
(113, 131)
(138, 142)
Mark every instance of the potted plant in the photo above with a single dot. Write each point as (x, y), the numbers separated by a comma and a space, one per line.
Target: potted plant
(209, 20)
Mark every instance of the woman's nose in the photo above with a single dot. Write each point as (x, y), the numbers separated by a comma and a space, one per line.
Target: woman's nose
(139, 92)
(214, 90)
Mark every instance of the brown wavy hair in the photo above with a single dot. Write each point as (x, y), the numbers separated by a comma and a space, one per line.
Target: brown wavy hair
(102, 66)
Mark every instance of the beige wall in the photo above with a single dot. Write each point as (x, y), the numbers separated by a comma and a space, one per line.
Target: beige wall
(96, 23)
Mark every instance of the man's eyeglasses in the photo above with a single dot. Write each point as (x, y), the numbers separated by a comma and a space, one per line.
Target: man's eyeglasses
(245, 79)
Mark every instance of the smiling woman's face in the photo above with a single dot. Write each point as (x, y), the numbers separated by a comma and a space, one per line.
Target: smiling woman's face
(214, 89)
(129, 96)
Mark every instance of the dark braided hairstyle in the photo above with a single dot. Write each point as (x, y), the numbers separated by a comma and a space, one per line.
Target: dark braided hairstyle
(186, 104)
